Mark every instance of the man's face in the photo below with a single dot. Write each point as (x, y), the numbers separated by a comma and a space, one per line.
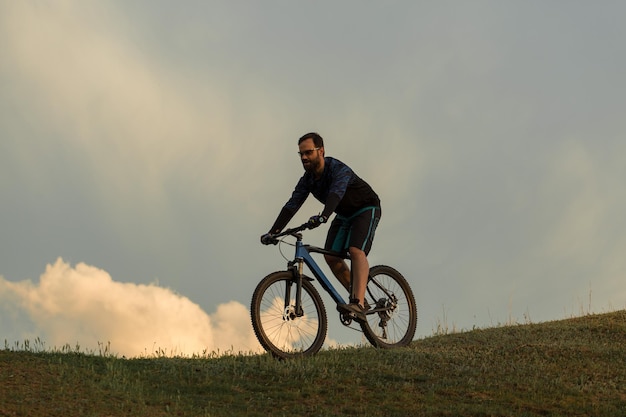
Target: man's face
(310, 156)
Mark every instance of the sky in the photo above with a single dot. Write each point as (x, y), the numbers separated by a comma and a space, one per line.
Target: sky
(145, 146)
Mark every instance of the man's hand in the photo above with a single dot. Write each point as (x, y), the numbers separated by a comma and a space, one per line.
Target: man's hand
(268, 239)
(316, 220)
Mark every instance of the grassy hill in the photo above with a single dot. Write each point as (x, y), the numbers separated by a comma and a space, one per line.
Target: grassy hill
(573, 367)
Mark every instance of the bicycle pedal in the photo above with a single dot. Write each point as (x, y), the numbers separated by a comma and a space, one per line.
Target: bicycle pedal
(345, 319)
(353, 311)
(348, 318)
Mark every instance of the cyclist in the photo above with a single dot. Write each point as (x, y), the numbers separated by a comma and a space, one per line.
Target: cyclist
(357, 209)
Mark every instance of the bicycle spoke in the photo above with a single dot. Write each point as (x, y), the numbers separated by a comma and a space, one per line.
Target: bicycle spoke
(393, 321)
(277, 325)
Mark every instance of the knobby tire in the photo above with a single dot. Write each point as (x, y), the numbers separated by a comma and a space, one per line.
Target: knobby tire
(395, 327)
(277, 326)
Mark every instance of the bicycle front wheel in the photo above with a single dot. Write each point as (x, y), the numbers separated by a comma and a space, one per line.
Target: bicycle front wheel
(281, 330)
(394, 318)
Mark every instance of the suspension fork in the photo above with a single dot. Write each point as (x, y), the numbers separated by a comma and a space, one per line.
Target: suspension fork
(296, 267)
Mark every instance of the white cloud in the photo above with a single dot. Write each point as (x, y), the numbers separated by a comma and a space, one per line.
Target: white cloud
(84, 305)
(93, 86)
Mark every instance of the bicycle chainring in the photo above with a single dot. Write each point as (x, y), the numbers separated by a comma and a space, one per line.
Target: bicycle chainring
(345, 318)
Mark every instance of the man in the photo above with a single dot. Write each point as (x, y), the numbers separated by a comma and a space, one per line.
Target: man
(358, 210)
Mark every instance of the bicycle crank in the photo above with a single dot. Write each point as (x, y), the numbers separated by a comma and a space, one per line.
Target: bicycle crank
(345, 319)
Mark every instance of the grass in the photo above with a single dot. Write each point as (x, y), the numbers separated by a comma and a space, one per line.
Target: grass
(573, 367)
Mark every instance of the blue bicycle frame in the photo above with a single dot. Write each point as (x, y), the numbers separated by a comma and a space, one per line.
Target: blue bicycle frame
(303, 255)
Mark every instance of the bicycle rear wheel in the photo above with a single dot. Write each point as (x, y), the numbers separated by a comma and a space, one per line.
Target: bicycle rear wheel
(281, 330)
(395, 319)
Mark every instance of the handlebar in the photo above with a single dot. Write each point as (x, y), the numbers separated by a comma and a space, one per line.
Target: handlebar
(293, 231)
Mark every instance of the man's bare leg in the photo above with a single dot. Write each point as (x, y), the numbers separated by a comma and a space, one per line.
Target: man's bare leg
(340, 270)
(360, 267)
(360, 272)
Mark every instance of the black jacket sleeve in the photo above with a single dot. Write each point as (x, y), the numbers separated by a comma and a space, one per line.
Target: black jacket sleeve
(331, 204)
(281, 221)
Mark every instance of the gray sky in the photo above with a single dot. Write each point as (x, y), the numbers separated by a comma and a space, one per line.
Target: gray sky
(145, 146)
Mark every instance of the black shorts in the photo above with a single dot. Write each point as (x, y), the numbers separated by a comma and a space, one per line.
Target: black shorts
(355, 231)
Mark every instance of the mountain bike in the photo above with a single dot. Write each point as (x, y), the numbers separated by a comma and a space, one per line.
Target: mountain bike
(288, 314)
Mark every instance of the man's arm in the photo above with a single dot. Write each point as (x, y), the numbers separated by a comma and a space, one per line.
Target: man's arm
(299, 195)
(331, 204)
(341, 176)
(283, 218)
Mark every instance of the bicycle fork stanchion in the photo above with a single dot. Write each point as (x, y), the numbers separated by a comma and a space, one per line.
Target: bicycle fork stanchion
(290, 311)
(287, 307)
(299, 311)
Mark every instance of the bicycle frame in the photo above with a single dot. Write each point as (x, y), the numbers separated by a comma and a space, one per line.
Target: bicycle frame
(303, 253)
(303, 256)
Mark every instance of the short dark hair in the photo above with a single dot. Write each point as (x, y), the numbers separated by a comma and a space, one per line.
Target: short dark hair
(317, 139)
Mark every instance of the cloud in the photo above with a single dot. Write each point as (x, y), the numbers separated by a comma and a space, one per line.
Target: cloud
(84, 305)
(588, 197)
(130, 132)
(96, 118)
(102, 96)
(95, 104)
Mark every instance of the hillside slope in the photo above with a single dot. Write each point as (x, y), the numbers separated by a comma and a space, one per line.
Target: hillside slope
(561, 368)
